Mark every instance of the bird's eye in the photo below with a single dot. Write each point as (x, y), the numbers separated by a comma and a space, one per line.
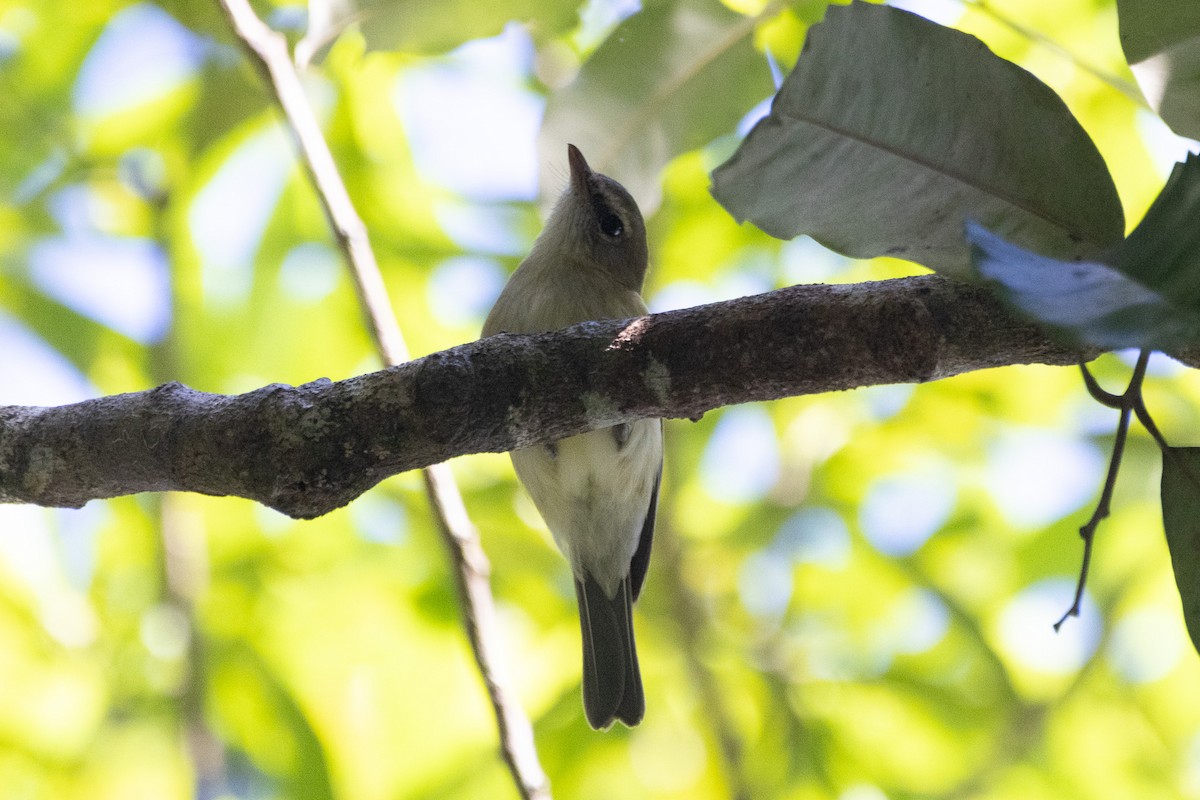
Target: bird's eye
(611, 225)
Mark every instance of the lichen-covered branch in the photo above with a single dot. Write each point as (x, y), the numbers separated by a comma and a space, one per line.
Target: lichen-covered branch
(306, 450)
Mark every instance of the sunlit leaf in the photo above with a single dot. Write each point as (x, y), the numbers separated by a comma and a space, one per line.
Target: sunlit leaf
(415, 26)
(1145, 294)
(1181, 522)
(669, 79)
(1161, 39)
(265, 721)
(228, 97)
(892, 130)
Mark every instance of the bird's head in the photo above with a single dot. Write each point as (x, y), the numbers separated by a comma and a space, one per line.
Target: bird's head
(597, 222)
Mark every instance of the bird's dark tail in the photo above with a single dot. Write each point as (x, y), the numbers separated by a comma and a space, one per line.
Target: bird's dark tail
(612, 682)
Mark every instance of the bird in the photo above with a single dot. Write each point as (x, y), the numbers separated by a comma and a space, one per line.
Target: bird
(598, 491)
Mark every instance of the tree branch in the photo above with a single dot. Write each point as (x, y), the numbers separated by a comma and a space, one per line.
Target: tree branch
(309, 449)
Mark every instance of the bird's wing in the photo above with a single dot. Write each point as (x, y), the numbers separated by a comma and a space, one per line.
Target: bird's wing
(641, 556)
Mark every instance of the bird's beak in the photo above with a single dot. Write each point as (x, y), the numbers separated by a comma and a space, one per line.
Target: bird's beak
(580, 171)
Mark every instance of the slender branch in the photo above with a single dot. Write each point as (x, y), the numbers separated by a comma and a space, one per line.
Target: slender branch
(269, 51)
(1127, 402)
(1088, 531)
(471, 573)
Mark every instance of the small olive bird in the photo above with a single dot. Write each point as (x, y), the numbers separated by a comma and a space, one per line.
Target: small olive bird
(597, 491)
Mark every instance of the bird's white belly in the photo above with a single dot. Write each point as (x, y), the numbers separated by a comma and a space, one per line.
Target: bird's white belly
(594, 493)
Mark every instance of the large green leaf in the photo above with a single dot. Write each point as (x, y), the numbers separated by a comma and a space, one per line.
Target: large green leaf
(1163, 252)
(892, 130)
(1161, 39)
(1146, 293)
(668, 79)
(1181, 522)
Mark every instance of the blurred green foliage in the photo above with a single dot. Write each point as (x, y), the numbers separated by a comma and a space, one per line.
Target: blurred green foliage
(852, 595)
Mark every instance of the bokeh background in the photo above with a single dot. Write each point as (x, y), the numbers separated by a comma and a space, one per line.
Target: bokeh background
(852, 595)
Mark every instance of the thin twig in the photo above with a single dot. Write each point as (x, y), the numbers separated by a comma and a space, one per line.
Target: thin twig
(1127, 402)
(1088, 531)
(1097, 392)
(1143, 415)
(269, 52)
